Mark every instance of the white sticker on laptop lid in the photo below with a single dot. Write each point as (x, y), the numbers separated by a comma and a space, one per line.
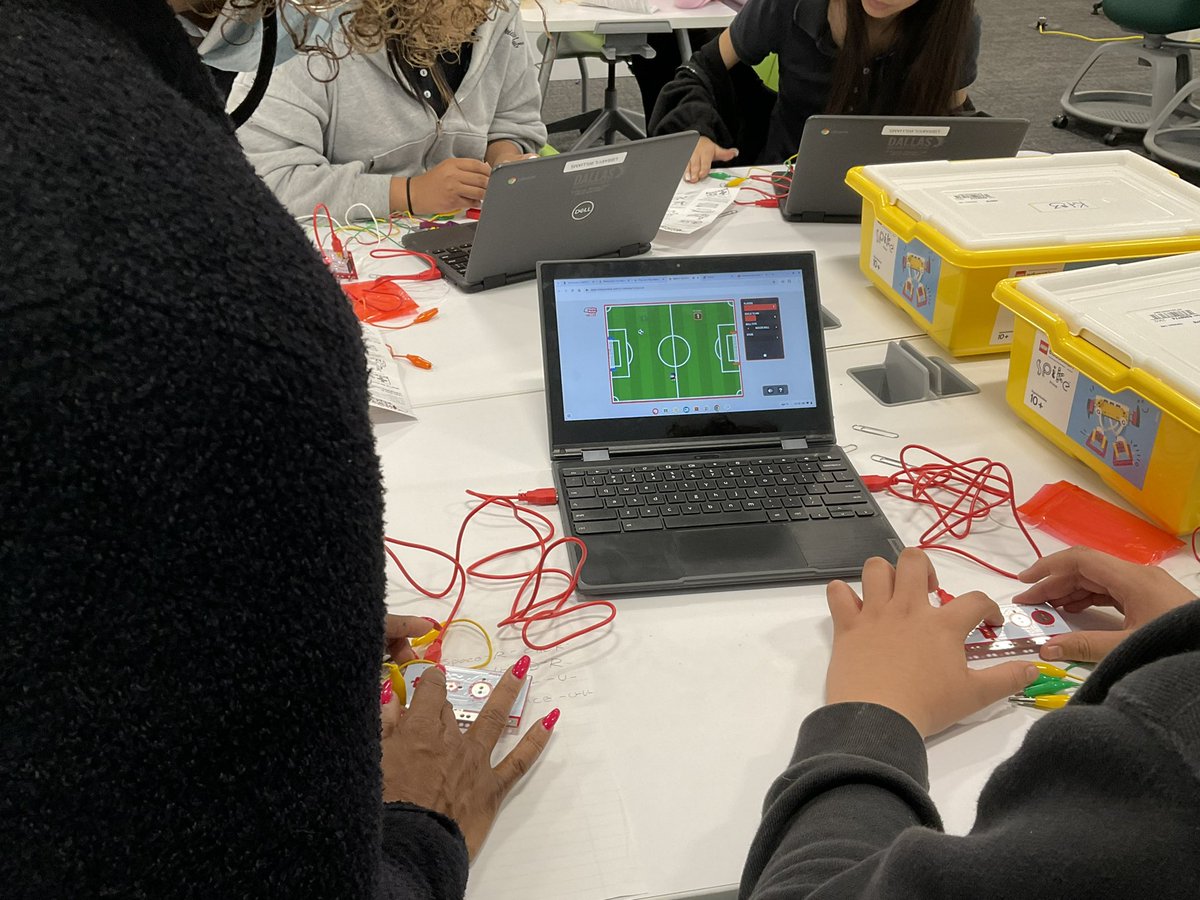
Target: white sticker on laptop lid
(594, 162)
(915, 130)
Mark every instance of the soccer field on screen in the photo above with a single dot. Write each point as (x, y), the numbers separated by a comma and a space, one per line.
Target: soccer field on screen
(673, 351)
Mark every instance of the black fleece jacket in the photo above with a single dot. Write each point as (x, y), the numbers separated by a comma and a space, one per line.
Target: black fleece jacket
(191, 572)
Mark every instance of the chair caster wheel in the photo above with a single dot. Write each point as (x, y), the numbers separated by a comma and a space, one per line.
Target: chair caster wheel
(1110, 139)
(1059, 121)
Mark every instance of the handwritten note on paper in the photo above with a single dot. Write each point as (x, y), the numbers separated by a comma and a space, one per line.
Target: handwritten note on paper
(384, 384)
(563, 832)
(696, 205)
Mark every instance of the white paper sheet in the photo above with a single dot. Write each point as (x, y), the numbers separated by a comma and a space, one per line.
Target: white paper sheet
(631, 6)
(696, 205)
(384, 381)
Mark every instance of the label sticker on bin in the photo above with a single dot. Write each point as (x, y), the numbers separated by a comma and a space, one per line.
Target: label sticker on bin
(1119, 429)
(912, 269)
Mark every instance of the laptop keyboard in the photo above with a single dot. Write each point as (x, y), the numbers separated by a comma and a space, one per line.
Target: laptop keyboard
(455, 257)
(814, 487)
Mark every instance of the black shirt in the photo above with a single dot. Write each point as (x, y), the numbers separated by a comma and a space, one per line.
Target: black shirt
(798, 32)
(453, 67)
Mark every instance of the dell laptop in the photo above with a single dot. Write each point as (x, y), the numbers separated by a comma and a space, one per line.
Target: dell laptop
(691, 428)
(832, 145)
(606, 201)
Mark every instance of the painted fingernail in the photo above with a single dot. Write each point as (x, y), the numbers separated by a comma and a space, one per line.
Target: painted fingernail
(385, 693)
(1050, 651)
(521, 667)
(551, 719)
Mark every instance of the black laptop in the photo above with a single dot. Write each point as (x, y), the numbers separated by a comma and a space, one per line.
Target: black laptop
(832, 145)
(606, 201)
(691, 428)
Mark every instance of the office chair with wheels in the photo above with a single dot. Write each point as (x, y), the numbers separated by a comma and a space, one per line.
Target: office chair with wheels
(1169, 62)
(619, 42)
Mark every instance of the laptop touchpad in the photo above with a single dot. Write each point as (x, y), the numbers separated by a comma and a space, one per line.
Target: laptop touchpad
(741, 548)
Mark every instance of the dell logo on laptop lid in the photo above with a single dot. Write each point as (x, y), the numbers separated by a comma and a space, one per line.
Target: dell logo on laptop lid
(582, 210)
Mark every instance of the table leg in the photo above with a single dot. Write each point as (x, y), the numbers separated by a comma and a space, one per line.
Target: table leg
(685, 44)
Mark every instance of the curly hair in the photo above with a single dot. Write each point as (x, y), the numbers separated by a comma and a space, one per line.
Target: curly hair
(421, 30)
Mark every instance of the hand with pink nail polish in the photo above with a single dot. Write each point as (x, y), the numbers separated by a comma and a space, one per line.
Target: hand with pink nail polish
(397, 631)
(429, 761)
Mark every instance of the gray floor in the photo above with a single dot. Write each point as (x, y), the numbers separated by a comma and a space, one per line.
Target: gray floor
(1021, 72)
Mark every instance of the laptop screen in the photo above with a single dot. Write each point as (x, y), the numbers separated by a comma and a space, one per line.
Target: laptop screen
(679, 344)
(703, 344)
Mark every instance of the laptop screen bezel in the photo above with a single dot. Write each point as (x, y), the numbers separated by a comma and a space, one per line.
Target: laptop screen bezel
(726, 429)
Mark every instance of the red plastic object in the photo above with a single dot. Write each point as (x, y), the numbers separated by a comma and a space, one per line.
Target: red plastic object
(473, 213)
(380, 299)
(1076, 516)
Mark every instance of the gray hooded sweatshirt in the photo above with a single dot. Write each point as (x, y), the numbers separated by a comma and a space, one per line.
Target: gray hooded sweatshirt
(339, 140)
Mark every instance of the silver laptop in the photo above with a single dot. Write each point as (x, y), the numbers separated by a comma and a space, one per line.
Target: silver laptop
(606, 201)
(832, 145)
(691, 428)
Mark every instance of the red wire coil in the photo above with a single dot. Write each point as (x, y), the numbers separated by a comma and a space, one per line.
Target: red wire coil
(527, 610)
(960, 494)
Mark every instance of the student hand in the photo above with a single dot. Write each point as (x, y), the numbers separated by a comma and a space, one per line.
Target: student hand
(894, 648)
(703, 156)
(503, 151)
(457, 183)
(397, 631)
(1073, 580)
(429, 761)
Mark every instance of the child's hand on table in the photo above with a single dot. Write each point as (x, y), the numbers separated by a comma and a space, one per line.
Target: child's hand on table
(895, 649)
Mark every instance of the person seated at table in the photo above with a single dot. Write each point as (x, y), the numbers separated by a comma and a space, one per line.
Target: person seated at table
(192, 601)
(403, 129)
(1101, 800)
(869, 57)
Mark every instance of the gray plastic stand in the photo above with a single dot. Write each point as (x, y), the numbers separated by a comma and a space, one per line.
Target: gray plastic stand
(829, 320)
(907, 376)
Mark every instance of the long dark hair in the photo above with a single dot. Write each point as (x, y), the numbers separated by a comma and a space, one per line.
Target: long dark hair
(927, 58)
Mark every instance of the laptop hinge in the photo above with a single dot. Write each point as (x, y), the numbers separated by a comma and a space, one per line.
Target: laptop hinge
(600, 455)
(795, 444)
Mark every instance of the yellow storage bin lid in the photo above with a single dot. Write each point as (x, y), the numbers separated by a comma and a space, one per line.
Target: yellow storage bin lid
(1101, 200)
(1134, 326)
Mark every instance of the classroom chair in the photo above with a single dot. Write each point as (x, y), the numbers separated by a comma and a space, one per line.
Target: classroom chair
(1169, 62)
(618, 42)
(1174, 134)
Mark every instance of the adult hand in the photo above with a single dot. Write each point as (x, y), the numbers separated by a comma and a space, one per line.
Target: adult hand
(894, 648)
(455, 183)
(398, 629)
(706, 153)
(429, 761)
(1073, 580)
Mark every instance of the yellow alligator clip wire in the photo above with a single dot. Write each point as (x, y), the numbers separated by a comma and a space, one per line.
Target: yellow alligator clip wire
(427, 638)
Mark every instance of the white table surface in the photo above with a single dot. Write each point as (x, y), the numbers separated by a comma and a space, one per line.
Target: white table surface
(695, 699)
(488, 344)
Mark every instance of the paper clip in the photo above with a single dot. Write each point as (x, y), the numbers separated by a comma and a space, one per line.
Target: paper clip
(886, 460)
(849, 448)
(880, 432)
